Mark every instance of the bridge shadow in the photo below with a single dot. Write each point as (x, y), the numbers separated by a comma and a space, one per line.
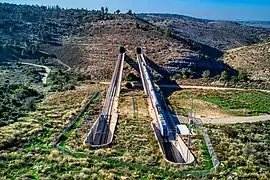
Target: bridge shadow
(165, 79)
(132, 63)
(164, 76)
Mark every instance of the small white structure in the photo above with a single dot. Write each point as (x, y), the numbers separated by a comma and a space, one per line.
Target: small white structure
(183, 130)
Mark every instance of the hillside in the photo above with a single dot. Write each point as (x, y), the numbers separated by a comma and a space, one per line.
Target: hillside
(254, 58)
(88, 41)
(263, 24)
(222, 35)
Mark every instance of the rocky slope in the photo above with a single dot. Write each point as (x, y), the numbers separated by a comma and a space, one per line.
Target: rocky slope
(88, 41)
(255, 59)
(96, 52)
(222, 35)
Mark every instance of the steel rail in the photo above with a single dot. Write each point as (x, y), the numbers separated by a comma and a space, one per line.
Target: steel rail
(101, 129)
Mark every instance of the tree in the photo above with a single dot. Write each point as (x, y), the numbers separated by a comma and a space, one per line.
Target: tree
(224, 76)
(42, 59)
(117, 11)
(206, 74)
(102, 10)
(16, 43)
(137, 25)
(243, 75)
(187, 73)
(106, 10)
(129, 12)
(169, 32)
(40, 35)
(26, 46)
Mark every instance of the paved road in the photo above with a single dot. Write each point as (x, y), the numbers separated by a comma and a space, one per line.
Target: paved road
(47, 69)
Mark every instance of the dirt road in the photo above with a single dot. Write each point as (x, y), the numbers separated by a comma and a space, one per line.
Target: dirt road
(234, 120)
(47, 69)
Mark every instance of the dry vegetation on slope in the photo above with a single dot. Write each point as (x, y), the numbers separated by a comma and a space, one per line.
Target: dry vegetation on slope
(222, 35)
(255, 59)
(96, 52)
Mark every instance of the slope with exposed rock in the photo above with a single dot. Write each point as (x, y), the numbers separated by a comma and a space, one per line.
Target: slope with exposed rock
(255, 59)
(89, 40)
(222, 35)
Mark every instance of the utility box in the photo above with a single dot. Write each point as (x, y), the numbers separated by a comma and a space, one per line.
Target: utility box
(183, 130)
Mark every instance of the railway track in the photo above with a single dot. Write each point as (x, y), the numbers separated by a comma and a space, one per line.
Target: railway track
(101, 134)
(172, 146)
(148, 85)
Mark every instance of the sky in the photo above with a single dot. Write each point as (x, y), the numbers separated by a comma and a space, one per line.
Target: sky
(208, 9)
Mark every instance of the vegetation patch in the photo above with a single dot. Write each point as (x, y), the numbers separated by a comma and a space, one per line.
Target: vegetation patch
(236, 103)
(16, 102)
(243, 150)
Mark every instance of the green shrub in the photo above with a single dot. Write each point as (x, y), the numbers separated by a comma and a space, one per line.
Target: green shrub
(206, 74)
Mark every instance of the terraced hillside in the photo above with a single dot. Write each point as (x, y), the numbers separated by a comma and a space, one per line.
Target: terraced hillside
(88, 40)
(255, 59)
(96, 52)
(222, 35)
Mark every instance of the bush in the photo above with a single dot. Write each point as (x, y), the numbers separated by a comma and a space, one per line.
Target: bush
(242, 75)
(206, 74)
(132, 77)
(69, 87)
(231, 132)
(224, 76)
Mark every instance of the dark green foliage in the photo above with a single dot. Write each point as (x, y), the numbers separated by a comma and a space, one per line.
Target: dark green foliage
(129, 12)
(224, 76)
(44, 24)
(243, 75)
(16, 101)
(61, 81)
(187, 73)
(169, 32)
(221, 35)
(234, 79)
(117, 11)
(232, 133)
(242, 149)
(206, 74)
(132, 77)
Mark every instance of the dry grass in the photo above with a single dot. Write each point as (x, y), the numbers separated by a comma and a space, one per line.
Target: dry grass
(221, 103)
(97, 52)
(140, 105)
(55, 112)
(254, 58)
(202, 108)
(134, 140)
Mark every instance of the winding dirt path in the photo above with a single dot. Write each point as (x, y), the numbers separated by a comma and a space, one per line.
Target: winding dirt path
(47, 69)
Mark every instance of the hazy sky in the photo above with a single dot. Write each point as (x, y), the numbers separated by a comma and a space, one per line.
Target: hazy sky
(211, 9)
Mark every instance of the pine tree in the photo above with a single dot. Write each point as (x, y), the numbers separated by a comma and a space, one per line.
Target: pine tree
(129, 12)
(102, 10)
(224, 76)
(117, 11)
